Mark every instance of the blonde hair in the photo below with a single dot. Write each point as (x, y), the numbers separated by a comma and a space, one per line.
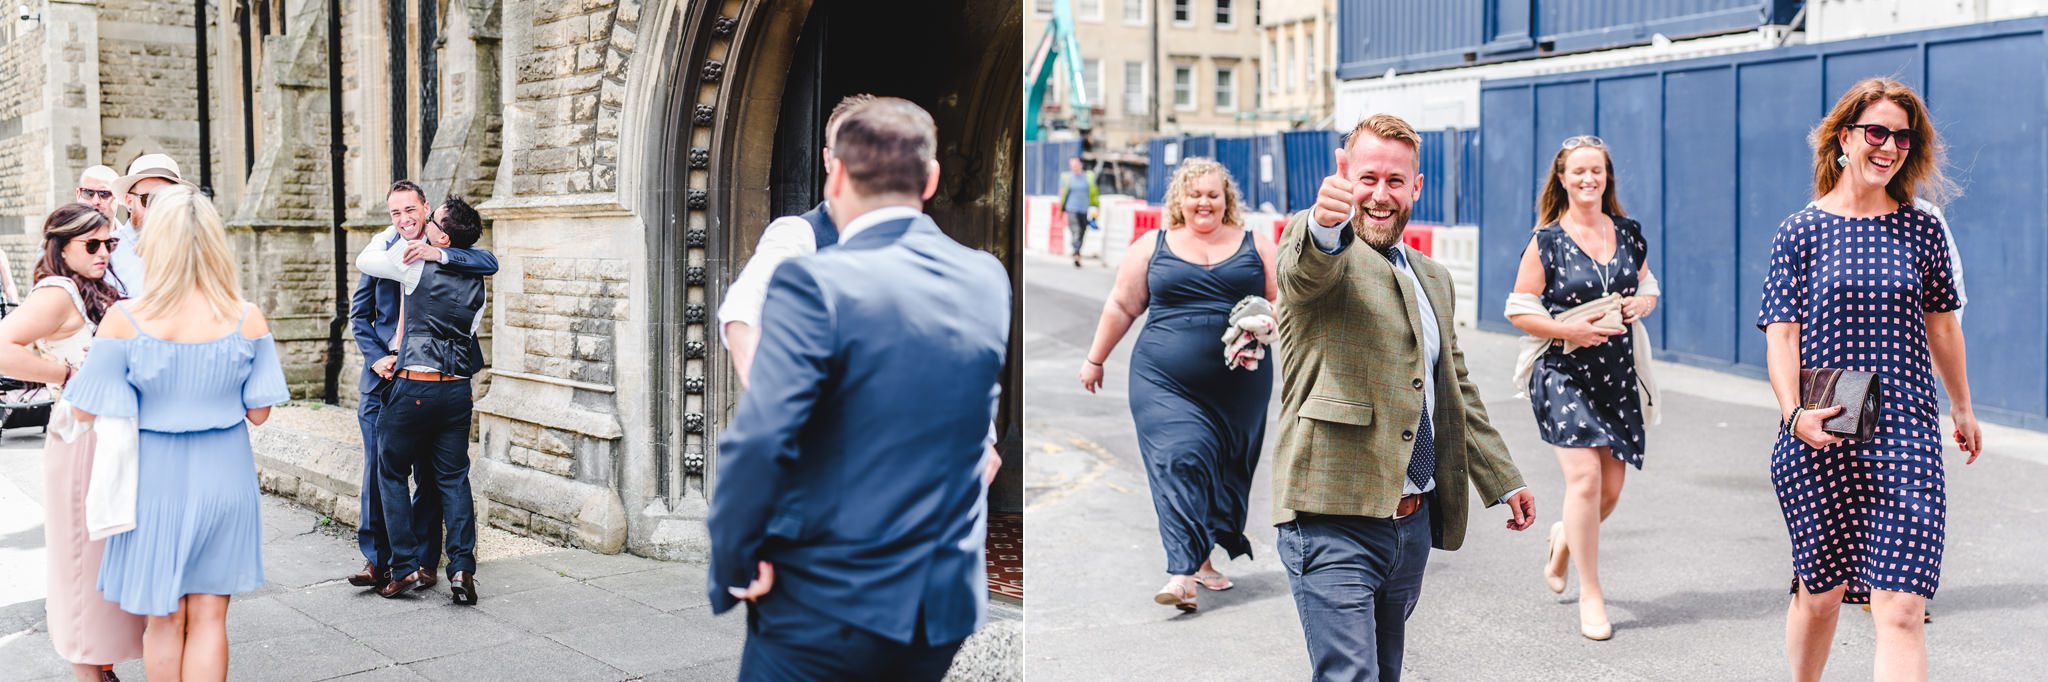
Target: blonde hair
(1191, 169)
(187, 253)
(1387, 127)
(1921, 175)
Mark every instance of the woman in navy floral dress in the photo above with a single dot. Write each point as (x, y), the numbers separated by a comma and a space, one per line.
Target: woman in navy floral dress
(1861, 281)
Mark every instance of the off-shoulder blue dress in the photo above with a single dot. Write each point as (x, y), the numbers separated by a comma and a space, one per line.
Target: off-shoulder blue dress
(198, 513)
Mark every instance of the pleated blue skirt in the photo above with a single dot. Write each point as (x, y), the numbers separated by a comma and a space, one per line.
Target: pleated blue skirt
(198, 523)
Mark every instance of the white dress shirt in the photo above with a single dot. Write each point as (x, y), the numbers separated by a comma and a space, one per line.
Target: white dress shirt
(1328, 239)
(786, 238)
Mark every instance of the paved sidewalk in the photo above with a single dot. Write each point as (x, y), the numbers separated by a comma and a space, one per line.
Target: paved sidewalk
(546, 614)
(1695, 561)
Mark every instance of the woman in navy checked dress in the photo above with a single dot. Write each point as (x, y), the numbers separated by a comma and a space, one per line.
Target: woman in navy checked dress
(1861, 281)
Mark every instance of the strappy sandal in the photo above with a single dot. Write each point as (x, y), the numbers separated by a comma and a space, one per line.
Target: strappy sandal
(1213, 581)
(1557, 547)
(1171, 595)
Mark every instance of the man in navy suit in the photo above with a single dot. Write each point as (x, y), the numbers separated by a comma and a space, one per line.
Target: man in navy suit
(850, 506)
(374, 316)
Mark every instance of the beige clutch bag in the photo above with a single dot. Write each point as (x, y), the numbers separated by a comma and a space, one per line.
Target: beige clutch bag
(1592, 310)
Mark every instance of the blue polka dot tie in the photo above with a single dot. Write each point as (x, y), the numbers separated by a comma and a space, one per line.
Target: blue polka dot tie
(1422, 466)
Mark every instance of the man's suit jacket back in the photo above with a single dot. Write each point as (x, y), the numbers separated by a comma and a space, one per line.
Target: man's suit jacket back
(853, 462)
(1351, 365)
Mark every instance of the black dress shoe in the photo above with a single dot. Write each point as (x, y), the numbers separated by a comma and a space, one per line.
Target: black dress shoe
(427, 582)
(370, 576)
(395, 588)
(462, 585)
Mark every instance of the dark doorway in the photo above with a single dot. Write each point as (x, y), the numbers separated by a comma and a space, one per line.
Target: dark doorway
(966, 68)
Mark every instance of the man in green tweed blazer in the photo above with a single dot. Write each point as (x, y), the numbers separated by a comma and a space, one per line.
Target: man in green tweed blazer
(1379, 426)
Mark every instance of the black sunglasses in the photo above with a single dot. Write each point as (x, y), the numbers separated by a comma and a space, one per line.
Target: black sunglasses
(142, 195)
(1876, 135)
(92, 246)
(92, 194)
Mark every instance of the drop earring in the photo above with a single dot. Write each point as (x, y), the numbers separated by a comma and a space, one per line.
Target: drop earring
(1842, 160)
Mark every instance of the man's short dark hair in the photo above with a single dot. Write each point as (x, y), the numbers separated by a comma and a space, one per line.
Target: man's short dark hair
(886, 146)
(839, 111)
(407, 186)
(461, 223)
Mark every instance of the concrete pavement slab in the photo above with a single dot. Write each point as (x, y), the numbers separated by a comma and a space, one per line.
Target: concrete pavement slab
(562, 607)
(583, 565)
(528, 659)
(651, 644)
(430, 633)
(673, 587)
(260, 619)
(723, 670)
(315, 655)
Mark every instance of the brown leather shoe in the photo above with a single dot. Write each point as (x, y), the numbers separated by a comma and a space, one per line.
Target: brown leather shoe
(427, 582)
(370, 576)
(400, 586)
(462, 585)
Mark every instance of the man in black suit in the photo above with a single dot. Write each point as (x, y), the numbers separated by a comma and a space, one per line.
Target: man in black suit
(427, 428)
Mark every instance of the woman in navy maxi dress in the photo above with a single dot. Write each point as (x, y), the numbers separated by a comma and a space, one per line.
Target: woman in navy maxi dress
(1200, 423)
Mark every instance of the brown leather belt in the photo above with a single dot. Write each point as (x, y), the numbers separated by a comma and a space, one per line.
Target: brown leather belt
(412, 375)
(1408, 505)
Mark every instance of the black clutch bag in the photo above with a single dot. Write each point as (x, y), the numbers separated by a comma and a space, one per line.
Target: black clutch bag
(1857, 393)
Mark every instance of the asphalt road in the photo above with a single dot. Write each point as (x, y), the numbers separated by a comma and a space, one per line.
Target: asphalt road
(1695, 559)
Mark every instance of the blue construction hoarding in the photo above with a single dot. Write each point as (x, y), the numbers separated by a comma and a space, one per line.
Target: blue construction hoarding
(1044, 161)
(1712, 154)
(1410, 35)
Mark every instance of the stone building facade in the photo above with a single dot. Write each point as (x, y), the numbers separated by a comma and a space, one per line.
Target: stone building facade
(1161, 66)
(626, 153)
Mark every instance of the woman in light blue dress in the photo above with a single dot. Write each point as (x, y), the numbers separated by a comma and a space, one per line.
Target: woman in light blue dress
(190, 362)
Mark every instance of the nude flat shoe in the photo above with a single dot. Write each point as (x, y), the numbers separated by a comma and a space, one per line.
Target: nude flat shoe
(1171, 595)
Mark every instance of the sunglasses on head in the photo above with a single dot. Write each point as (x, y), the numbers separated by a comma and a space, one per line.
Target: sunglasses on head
(92, 246)
(1876, 135)
(1577, 141)
(94, 194)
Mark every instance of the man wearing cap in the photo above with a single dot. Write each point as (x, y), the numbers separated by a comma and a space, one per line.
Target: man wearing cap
(95, 186)
(149, 174)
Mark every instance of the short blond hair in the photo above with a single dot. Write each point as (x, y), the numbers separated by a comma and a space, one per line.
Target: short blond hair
(1192, 168)
(1387, 127)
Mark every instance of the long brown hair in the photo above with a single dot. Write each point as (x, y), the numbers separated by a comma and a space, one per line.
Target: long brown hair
(1192, 168)
(1553, 203)
(68, 222)
(1922, 173)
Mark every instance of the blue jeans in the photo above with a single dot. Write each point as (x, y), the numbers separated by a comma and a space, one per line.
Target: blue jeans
(1355, 580)
(426, 518)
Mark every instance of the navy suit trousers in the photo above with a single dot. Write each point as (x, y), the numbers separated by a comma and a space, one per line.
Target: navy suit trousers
(370, 535)
(426, 436)
(788, 640)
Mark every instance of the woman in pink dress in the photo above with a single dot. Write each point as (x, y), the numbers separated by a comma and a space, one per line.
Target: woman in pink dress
(45, 341)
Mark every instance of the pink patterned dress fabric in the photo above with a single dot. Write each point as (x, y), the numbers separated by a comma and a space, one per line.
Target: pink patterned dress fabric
(1868, 514)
